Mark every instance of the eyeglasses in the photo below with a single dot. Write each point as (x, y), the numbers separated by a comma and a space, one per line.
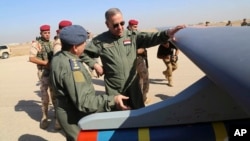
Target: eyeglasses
(117, 25)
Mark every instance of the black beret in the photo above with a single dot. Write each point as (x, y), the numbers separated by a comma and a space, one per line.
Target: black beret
(73, 35)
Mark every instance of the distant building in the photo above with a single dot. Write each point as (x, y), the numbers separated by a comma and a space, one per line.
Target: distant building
(207, 23)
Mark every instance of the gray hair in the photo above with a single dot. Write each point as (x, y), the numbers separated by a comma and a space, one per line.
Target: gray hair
(111, 12)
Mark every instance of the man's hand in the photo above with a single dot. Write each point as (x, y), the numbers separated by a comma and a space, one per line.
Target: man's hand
(99, 70)
(172, 31)
(47, 64)
(119, 102)
(140, 51)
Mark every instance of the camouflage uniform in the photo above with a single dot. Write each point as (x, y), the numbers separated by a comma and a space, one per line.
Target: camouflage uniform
(43, 50)
(170, 60)
(57, 46)
(142, 70)
(171, 66)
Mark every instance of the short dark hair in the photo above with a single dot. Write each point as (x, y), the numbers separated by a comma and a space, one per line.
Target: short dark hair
(66, 47)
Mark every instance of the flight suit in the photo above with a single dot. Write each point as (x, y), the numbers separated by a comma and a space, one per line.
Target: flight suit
(75, 93)
(118, 56)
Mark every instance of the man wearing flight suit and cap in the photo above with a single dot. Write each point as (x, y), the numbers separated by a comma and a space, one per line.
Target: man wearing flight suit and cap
(117, 49)
(73, 86)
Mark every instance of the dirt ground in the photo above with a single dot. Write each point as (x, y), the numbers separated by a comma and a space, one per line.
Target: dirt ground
(20, 49)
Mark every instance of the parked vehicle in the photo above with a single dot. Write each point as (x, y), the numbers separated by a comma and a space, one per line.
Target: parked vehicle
(5, 51)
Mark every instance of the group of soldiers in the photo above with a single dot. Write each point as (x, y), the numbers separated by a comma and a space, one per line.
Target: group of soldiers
(129, 80)
(43, 50)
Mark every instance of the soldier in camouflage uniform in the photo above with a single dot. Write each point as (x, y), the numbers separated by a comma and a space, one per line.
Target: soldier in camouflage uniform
(168, 52)
(41, 53)
(57, 43)
(142, 64)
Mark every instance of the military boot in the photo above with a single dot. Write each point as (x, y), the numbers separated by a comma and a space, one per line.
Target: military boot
(170, 82)
(165, 73)
(53, 99)
(44, 121)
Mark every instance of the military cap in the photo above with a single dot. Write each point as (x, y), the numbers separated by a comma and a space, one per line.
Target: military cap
(45, 27)
(64, 23)
(73, 35)
(133, 22)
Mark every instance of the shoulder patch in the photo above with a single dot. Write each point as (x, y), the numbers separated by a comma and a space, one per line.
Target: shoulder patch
(74, 64)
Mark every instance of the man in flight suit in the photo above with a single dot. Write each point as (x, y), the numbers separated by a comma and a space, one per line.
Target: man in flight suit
(117, 49)
(73, 86)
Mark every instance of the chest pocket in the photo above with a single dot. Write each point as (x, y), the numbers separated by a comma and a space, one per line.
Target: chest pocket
(107, 45)
(108, 49)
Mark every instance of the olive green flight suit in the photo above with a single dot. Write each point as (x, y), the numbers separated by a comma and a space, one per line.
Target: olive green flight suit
(118, 56)
(75, 93)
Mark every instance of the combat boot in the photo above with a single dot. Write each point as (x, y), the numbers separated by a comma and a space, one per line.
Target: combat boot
(165, 73)
(44, 121)
(170, 82)
(146, 101)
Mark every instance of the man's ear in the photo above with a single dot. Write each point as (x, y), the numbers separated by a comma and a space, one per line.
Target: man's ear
(107, 24)
(74, 49)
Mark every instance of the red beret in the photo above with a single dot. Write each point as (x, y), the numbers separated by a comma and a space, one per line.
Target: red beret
(64, 23)
(45, 27)
(133, 22)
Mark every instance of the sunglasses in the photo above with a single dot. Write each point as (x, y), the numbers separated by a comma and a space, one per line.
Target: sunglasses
(117, 25)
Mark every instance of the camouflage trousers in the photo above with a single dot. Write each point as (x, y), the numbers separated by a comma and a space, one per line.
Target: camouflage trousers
(171, 66)
(142, 70)
(39, 74)
(45, 95)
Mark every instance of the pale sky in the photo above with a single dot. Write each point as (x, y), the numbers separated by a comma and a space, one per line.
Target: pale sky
(21, 19)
